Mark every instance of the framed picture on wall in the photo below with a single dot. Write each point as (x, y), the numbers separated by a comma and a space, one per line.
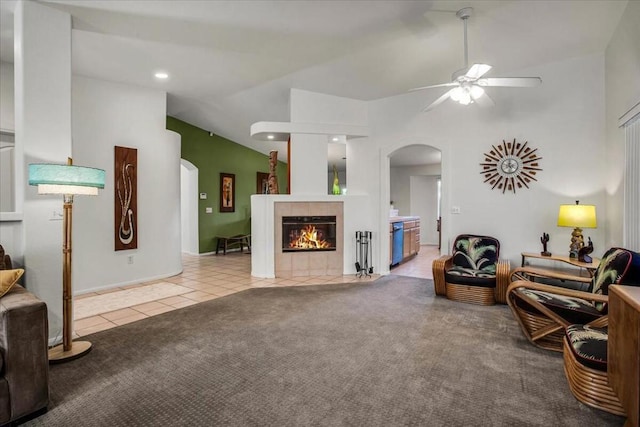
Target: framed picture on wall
(126, 198)
(227, 192)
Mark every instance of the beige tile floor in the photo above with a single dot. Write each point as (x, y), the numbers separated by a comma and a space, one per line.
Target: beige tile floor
(214, 276)
(420, 266)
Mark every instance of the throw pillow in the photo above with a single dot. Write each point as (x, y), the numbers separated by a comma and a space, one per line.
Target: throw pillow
(8, 278)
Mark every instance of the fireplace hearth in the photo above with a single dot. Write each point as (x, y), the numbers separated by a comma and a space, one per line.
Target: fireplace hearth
(308, 233)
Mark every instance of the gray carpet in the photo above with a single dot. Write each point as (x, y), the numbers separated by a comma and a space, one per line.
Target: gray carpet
(386, 353)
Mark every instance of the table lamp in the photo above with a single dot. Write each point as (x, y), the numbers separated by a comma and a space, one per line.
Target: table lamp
(67, 180)
(577, 216)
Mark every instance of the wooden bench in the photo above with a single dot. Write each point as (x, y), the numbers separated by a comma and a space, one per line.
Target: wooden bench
(239, 239)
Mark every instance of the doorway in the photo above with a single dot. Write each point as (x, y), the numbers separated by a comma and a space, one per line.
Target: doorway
(189, 207)
(415, 190)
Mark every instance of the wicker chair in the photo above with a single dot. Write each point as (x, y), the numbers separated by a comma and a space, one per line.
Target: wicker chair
(473, 273)
(544, 311)
(585, 365)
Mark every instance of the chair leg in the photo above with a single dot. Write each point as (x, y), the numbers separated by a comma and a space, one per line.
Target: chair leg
(539, 330)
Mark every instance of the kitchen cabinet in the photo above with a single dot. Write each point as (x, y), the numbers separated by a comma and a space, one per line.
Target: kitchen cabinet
(410, 237)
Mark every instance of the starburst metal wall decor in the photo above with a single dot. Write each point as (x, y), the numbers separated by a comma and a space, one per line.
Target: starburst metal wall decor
(510, 165)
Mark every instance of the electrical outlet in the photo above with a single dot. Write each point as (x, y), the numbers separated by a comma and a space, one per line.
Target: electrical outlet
(455, 209)
(208, 210)
(130, 259)
(56, 216)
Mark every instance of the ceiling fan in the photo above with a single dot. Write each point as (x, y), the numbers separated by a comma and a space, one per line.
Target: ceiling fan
(468, 84)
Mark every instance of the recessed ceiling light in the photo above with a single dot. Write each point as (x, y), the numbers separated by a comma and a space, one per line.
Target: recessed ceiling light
(270, 136)
(335, 139)
(162, 75)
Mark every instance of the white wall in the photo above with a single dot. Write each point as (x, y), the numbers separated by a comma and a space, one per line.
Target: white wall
(11, 230)
(308, 164)
(106, 114)
(563, 118)
(399, 190)
(7, 124)
(43, 134)
(189, 207)
(7, 115)
(424, 203)
(622, 84)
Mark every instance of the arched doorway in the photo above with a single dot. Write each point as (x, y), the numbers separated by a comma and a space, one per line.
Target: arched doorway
(189, 207)
(413, 177)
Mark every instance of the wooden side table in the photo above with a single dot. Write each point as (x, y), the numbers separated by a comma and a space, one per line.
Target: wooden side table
(623, 348)
(590, 267)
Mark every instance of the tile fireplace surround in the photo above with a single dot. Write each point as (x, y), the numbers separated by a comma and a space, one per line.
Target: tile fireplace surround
(309, 263)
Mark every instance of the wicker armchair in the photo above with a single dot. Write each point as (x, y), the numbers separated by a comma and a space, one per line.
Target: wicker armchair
(544, 311)
(473, 273)
(585, 365)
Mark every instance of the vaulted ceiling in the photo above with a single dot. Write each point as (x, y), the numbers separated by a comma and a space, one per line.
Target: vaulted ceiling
(232, 63)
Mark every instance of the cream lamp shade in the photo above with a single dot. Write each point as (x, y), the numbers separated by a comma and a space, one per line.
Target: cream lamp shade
(66, 179)
(580, 216)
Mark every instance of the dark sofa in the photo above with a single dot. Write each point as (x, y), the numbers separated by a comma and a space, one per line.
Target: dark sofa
(24, 365)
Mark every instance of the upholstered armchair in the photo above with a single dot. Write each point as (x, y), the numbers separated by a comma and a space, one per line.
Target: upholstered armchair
(545, 311)
(473, 273)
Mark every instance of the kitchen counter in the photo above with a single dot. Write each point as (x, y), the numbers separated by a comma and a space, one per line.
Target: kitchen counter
(403, 218)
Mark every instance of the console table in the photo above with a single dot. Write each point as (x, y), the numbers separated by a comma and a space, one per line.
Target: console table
(590, 267)
(241, 239)
(623, 348)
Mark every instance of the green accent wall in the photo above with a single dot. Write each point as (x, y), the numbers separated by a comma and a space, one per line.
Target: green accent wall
(213, 155)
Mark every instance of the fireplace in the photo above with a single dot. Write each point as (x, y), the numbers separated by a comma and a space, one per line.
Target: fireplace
(308, 233)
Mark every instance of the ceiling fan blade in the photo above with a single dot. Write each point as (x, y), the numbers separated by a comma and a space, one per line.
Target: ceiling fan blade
(510, 81)
(484, 100)
(477, 70)
(437, 102)
(429, 87)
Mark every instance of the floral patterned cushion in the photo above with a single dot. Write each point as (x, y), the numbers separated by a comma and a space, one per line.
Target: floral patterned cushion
(612, 268)
(589, 345)
(474, 261)
(575, 310)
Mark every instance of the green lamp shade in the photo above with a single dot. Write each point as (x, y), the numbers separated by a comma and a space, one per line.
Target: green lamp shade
(66, 179)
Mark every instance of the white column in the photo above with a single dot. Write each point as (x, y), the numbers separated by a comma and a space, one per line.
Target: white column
(43, 134)
(308, 164)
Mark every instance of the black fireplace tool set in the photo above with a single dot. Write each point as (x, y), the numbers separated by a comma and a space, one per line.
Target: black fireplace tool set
(364, 254)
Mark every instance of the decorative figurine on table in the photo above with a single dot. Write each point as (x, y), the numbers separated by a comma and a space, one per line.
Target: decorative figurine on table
(577, 243)
(272, 182)
(544, 240)
(583, 252)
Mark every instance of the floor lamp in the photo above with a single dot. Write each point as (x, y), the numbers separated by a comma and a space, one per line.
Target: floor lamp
(67, 180)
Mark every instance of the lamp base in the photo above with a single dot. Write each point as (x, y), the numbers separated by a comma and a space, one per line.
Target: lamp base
(78, 349)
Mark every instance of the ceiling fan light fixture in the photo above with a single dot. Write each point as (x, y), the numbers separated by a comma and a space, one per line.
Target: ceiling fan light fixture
(465, 98)
(456, 93)
(469, 82)
(476, 92)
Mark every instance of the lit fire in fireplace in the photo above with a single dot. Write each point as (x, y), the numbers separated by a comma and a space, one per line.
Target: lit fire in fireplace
(309, 239)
